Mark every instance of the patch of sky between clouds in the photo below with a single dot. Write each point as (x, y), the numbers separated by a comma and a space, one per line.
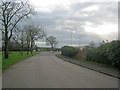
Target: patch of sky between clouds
(91, 8)
(102, 29)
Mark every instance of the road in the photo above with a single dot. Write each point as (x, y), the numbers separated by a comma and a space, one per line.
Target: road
(45, 70)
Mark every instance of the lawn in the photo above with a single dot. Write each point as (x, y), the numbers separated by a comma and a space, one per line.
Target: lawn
(14, 57)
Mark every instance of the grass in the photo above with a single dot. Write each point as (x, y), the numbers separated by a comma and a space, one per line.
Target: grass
(14, 57)
(0, 62)
(89, 62)
(85, 61)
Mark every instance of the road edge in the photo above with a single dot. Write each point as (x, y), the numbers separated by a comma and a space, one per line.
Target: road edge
(76, 63)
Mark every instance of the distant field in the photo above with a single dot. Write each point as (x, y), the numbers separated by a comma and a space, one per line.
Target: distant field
(14, 57)
(45, 49)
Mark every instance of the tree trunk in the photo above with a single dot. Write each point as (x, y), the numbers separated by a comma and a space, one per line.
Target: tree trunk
(6, 42)
(31, 52)
(52, 47)
(31, 47)
(6, 49)
(28, 50)
(21, 51)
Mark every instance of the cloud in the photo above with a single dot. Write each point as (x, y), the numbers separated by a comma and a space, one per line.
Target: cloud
(62, 22)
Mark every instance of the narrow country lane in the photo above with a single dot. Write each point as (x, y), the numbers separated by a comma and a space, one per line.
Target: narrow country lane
(45, 70)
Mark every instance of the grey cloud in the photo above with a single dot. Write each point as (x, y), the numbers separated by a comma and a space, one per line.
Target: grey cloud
(81, 5)
(106, 12)
(60, 21)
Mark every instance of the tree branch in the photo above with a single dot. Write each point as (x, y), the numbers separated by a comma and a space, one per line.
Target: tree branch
(21, 7)
(16, 23)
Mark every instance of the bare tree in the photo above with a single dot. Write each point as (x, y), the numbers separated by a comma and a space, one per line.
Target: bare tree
(34, 32)
(51, 40)
(11, 13)
(0, 41)
(20, 38)
(27, 40)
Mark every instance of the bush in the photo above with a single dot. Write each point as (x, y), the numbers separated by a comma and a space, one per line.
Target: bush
(108, 53)
(114, 53)
(69, 51)
(92, 55)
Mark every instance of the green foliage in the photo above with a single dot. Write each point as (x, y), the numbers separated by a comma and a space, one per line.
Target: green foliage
(69, 51)
(108, 53)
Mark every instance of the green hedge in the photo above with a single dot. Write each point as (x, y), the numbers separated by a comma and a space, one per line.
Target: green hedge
(69, 51)
(108, 53)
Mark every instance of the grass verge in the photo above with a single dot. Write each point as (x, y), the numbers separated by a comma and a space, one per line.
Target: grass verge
(14, 57)
(84, 61)
(90, 62)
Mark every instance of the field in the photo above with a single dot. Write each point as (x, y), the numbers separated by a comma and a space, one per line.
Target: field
(47, 49)
(14, 57)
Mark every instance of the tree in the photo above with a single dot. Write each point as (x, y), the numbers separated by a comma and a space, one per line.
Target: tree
(34, 32)
(92, 44)
(19, 37)
(11, 13)
(0, 41)
(51, 40)
(103, 42)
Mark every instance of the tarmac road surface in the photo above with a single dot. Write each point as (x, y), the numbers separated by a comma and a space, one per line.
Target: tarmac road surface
(45, 70)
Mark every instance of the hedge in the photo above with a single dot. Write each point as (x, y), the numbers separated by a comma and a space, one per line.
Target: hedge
(69, 51)
(108, 53)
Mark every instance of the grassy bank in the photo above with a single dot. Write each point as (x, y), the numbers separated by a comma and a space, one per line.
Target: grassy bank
(14, 57)
(88, 62)
(92, 62)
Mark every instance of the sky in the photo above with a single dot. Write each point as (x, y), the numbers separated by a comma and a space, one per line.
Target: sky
(77, 22)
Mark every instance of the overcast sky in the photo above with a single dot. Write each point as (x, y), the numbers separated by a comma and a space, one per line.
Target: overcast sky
(76, 22)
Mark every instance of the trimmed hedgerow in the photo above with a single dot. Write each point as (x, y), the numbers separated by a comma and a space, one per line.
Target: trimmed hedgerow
(108, 53)
(69, 51)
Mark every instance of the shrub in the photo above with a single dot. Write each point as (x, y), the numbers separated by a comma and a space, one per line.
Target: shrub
(92, 55)
(108, 53)
(69, 51)
(114, 53)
